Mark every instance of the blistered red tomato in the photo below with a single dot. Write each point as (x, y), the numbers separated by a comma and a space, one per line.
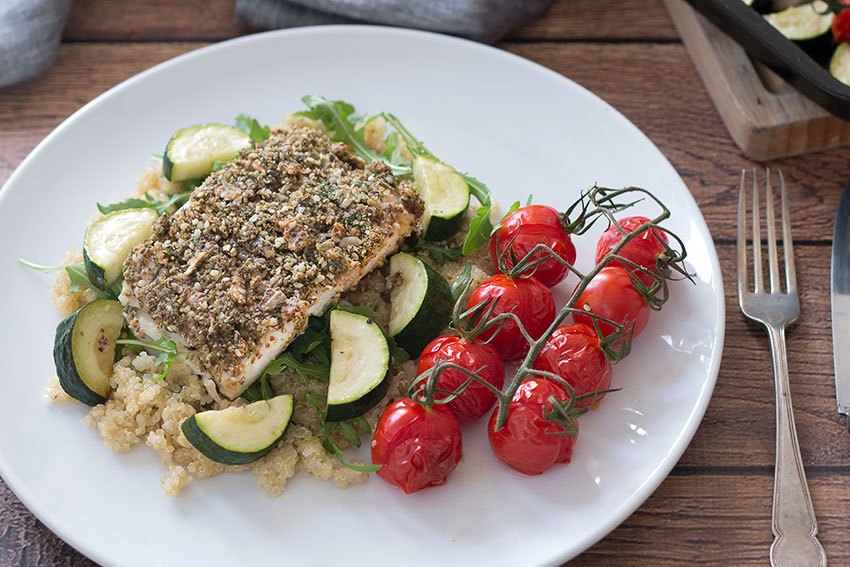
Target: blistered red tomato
(643, 249)
(522, 230)
(612, 295)
(417, 447)
(841, 24)
(476, 399)
(573, 353)
(528, 442)
(528, 299)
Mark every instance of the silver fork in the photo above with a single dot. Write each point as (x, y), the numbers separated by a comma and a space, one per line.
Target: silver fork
(794, 524)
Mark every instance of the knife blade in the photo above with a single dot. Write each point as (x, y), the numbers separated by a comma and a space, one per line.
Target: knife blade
(840, 299)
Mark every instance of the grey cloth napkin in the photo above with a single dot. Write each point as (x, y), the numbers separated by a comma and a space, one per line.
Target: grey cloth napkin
(30, 32)
(481, 20)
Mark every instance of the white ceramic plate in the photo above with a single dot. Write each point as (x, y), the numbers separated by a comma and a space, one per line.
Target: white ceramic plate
(517, 126)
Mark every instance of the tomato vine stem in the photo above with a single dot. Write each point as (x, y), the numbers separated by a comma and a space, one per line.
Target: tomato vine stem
(594, 204)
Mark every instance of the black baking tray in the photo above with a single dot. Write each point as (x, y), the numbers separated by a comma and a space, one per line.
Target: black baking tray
(765, 43)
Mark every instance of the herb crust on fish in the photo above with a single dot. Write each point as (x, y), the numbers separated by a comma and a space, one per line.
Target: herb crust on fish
(274, 237)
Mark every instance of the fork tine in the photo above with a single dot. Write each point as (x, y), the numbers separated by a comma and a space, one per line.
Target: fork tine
(758, 277)
(743, 275)
(772, 258)
(787, 241)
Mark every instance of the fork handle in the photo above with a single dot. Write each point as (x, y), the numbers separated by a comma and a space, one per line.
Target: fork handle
(794, 525)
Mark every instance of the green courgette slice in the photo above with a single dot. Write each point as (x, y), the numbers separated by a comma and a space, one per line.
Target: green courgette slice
(190, 152)
(109, 240)
(809, 25)
(84, 350)
(420, 306)
(239, 435)
(839, 65)
(446, 197)
(360, 364)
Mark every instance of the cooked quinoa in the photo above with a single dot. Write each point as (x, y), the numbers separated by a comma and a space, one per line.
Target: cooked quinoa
(140, 409)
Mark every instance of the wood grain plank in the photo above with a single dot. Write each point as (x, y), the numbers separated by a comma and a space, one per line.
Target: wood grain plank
(638, 81)
(739, 425)
(644, 20)
(165, 20)
(717, 520)
(151, 20)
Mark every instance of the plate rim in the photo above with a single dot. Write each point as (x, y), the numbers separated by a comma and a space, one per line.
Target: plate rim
(628, 506)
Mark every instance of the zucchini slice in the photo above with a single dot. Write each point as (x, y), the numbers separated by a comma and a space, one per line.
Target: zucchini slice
(239, 435)
(420, 307)
(190, 152)
(84, 350)
(809, 25)
(360, 364)
(839, 65)
(446, 197)
(109, 240)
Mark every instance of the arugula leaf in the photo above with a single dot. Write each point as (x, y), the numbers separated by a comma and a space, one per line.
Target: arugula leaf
(392, 152)
(462, 281)
(265, 388)
(318, 402)
(398, 354)
(414, 145)
(79, 278)
(253, 394)
(148, 202)
(287, 359)
(337, 117)
(361, 423)
(440, 254)
(478, 189)
(314, 342)
(480, 229)
(191, 184)
(219, 164)
(332, 449)
(165, 349)
(348, 432)
(254, 129)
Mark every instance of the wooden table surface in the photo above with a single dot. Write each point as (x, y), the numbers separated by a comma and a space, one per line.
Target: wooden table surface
(714, 509)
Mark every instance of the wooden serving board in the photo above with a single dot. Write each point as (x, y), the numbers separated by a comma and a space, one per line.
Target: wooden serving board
(767, 118)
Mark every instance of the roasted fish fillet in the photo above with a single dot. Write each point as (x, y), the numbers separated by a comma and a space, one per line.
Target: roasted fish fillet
(273, 238)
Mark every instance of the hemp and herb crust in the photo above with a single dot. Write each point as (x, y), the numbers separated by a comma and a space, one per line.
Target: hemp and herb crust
(274, 237)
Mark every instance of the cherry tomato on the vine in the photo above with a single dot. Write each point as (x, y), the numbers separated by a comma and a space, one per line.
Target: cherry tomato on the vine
(522, 230)
(528, 442)
(417, 447)
(528, 299)
(572, 352)
(612, 295)
(643, 249)
(476, 399)
(841, 24)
